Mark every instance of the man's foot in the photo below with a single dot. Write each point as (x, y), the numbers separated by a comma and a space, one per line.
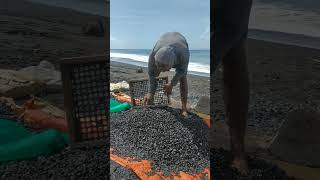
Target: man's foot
(241, 164)
(184, 114)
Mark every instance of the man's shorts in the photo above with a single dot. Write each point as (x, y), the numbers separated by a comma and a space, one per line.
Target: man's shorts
(230, 26)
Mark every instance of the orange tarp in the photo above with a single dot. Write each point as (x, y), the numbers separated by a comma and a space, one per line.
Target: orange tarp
(205, 118)
(143, 167)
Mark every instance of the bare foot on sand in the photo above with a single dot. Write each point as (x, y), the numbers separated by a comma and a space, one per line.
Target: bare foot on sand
(185, 114)
(241, 165)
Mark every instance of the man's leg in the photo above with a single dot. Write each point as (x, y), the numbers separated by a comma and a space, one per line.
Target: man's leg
(184, 94)
(236, 96)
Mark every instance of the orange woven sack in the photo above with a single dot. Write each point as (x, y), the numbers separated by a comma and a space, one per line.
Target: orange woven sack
(41, 115)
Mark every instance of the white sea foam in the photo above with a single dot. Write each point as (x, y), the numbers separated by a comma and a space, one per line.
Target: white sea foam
(137, 59)
(134, 57)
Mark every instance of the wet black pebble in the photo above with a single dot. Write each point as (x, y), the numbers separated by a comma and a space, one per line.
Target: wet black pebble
(161, 135)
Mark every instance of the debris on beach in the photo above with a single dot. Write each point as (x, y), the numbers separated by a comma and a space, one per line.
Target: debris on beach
(12, 84)
(44, 73)
(140, 70)
(120, 86)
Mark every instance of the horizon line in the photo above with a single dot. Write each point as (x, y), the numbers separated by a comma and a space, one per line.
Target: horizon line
(145, 49)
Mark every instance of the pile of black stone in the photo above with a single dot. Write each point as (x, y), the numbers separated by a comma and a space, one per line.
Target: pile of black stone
(160, 134)
(118, 172)
(81, 162)
(259, 169)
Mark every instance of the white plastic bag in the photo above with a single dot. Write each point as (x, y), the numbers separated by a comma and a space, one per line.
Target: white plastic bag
(12, 85)
(43, 73)
(115, 87)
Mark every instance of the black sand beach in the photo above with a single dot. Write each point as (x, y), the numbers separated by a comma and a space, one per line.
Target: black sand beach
(33, 32)
(282, 77)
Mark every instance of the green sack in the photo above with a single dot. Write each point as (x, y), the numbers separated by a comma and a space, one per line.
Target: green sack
(116, 106)
(22, 144)
(11, 131)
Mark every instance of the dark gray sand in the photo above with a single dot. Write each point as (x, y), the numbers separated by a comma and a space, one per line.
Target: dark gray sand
(282, 78)
(72, 163)
(259, 169)
(299, 141)
(32, 32)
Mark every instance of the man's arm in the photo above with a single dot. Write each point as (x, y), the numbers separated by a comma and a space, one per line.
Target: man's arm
(153, 72)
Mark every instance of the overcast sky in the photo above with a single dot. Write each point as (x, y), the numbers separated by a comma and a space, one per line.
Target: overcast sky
(137, 24)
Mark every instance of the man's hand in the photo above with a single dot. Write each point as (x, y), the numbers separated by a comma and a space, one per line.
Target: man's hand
(168, 89)
(148, 99)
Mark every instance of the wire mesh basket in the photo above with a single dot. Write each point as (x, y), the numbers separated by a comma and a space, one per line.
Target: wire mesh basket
(85, 81)
(139, 89)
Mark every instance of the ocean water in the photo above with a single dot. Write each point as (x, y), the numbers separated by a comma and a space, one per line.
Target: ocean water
(199, 61)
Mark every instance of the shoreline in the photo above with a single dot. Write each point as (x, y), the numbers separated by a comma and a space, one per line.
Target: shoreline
(90, 7)
(41, 11)
(136, 63)
(136, 67)
(197, 85)
(299, 40)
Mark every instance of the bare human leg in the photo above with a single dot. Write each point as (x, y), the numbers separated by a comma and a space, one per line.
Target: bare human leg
(236, 97)
(184, 95)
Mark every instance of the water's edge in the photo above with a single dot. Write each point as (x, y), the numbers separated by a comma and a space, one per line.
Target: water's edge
(299, 40)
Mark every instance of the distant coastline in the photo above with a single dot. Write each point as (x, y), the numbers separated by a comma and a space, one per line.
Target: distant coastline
(94, 7)
(300, 40)
(290, 22)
